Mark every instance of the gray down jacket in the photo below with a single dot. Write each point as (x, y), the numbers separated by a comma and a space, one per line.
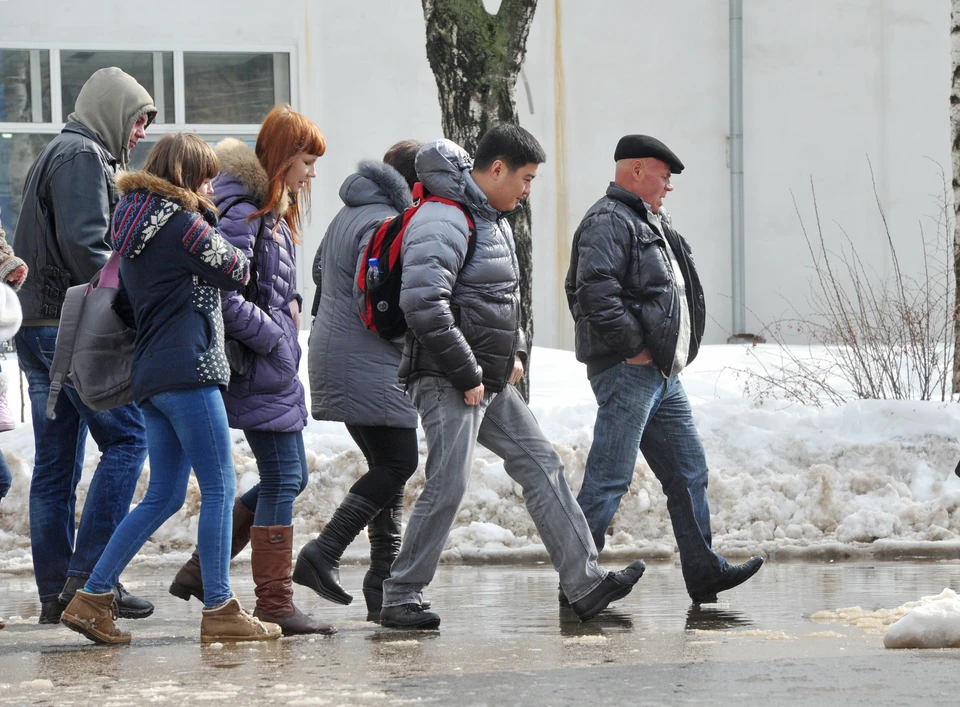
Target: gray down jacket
(353, 372)
(463, 318)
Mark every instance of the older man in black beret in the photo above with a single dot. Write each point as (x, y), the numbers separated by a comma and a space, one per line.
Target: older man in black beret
(638, 305)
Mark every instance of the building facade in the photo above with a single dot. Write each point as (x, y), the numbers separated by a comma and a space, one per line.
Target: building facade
(831, 88)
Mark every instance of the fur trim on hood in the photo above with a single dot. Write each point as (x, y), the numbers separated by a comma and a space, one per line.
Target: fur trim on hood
(132, 181)
(239, 160)
(376, 182)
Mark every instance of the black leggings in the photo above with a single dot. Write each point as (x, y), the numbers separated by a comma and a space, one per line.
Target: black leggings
(392, 454)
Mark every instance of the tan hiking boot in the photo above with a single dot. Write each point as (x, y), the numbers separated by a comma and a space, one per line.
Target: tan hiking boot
(93, 616)
(229, 623)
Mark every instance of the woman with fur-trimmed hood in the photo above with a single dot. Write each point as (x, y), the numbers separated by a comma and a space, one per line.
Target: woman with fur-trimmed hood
(173, 264)
(261, 194)
(353, 380)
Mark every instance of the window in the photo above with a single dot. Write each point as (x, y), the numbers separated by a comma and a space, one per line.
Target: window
(212, 93)
(24, 86)
(153, 70)
(234, 88)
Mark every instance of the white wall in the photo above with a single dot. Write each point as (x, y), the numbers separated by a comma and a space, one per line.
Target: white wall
(827, 84)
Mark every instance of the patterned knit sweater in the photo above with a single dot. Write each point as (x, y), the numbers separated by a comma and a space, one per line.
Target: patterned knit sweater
(174, 264)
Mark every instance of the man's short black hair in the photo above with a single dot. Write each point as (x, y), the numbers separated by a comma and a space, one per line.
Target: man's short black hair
(511, 144)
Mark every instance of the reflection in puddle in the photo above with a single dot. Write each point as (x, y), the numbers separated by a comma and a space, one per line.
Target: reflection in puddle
(712, 618)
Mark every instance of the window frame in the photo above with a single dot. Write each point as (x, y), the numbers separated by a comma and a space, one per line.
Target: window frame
(178, 124)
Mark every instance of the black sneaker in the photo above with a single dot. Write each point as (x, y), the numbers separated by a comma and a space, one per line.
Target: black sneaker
(50, 612)
(408, 616)
(616, 585)
(732, 576)
(130, 606)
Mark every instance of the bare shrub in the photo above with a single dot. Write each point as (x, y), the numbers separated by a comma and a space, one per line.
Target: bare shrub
(870, 336)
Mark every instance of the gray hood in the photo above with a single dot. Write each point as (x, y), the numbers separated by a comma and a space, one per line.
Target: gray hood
(444, 168)
(110, 103)
(376, 183)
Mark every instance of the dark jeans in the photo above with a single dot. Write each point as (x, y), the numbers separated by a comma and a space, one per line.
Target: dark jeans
(282, 464)
(641, 411)
(392, 455)
(58, 461)
(6, 478)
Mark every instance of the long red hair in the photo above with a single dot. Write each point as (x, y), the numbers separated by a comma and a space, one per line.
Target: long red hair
(284, 135)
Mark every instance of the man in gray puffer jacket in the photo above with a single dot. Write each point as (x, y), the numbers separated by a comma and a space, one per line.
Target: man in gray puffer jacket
(462, 354)
(638, 306)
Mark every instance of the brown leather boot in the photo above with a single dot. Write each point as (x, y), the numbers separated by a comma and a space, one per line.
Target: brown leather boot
(189, 581)
(272, 561)
(93, 616)
(230, 623)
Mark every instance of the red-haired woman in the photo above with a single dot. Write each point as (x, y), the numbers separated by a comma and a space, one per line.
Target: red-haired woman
(262, 195)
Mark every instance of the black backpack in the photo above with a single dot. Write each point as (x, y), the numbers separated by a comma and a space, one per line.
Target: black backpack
(381, 286)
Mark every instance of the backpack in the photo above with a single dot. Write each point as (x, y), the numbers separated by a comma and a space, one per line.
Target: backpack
(240, 357)
(381, 287)
(94, 346)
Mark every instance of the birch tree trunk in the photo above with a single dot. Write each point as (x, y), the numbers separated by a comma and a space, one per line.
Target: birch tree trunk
(955, 149)
(476, 58)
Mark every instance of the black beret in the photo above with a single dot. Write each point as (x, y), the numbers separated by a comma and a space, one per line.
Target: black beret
(633, 147)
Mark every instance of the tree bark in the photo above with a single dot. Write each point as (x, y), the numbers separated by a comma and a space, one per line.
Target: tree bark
(955, 150)
(476, 58)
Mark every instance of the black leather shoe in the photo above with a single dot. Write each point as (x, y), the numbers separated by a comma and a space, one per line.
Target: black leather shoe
(130, 606)
(69, 589)
(408, 616)
(616, 585)
(50, 612)
(731, 577)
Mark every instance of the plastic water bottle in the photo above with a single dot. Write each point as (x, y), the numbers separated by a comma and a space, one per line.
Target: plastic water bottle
(373, 273)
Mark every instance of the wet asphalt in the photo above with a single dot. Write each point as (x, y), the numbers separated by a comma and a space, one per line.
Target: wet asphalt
(504, 640)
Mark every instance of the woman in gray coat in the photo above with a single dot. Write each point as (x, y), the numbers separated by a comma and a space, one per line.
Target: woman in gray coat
(353, 379)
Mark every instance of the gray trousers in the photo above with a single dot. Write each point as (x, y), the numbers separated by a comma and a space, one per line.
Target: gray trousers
(503, 424)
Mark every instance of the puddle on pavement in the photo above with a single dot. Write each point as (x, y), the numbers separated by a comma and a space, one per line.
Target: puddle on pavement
(494, 618)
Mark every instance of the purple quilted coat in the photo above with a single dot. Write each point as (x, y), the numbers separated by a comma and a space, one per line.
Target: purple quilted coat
(270, 396)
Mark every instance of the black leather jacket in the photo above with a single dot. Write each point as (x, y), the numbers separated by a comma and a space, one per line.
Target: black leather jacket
(621, 287)
(68, 201)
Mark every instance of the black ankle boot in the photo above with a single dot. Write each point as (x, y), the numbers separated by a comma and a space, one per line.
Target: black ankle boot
(318, 563)
(384, 535)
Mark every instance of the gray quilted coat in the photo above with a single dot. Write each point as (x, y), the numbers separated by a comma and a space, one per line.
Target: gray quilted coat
(353, 372)
(463, 319)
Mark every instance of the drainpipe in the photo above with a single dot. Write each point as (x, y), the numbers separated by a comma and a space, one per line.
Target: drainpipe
(738, 269)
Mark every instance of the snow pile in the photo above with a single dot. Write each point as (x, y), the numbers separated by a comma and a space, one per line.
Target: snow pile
(866, 478)
(931, 622)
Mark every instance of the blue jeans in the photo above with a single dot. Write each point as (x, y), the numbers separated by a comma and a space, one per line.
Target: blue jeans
(58, 460)
(184, 428)
(282, 463)
(640, 410)
(6, 478)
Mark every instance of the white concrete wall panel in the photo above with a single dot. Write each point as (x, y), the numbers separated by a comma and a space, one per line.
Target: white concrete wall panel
(827, 84)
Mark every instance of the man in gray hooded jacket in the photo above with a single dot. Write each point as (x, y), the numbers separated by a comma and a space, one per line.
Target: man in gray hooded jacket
(68, 203)
(463, 353)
